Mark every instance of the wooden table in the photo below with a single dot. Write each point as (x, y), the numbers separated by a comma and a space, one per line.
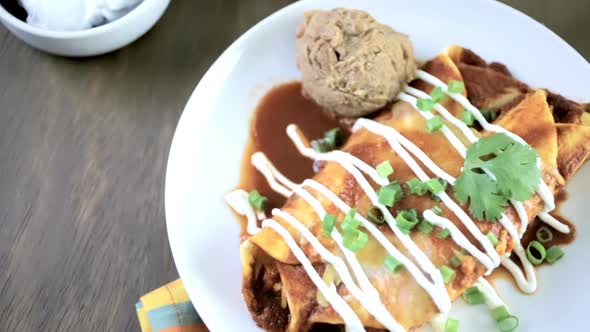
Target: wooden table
(83, 149)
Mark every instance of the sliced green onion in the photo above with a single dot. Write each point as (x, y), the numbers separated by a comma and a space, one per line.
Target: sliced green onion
(435, 198)
(544, 234)
(321, 145)
(490, 115)
(554, 253)
(334, 137)
(376, 215)
(425, 227)
(437, 94)
(455, 86)
(467, 118)
(452, 325)
(434, 124)
(434, 186)
(257, 200)
(328, 224)
(413, 213)
(474, 296)
(417, 187)
(471, 290)
(508, 324)
(355, 240)
(493, 239)
(474, 299)
(425, 104)
(437, 210)
(413, 184)
(350, 223)
(384, 169)
(350, 226)
(447, 273)
(390, 194)
(350, 215)
(500, 313)
(443, 183)
(535, 252)
(444, 234)
(456, 261)
(392, 264)
(406, 220)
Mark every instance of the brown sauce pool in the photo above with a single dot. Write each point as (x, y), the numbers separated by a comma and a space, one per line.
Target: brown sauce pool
(282, 105)
(559, 239)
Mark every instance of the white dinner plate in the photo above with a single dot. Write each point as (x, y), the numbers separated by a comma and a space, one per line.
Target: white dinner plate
(204, 161)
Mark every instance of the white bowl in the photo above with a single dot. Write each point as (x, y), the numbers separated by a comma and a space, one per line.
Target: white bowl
(90, 42)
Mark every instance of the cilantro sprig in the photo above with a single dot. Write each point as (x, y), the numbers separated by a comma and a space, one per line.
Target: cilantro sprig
(496, 170)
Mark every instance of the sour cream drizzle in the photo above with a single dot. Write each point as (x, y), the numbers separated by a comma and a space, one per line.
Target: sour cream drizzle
(467, 132)
(553, 222)
(238, 200)
(359, 274)
(543, 190)
(388, 133)
(441, 297)
(270, 172)
(368, 297)
(528, 284)
(492, 299)
(522, 215)
(351, 320)
(472, 138)
(459, 238)
(431, 288)
(276, 180)
(455, 142)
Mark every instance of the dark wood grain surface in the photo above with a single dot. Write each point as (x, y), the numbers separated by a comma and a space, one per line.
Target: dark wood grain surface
(83, 148)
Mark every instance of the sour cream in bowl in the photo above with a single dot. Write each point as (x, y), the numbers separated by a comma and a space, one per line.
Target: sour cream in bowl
(80, 28)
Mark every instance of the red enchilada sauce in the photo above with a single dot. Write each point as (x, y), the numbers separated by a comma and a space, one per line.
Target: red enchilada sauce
(282, 105)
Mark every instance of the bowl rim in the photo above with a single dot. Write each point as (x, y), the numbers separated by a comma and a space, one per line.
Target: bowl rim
(135, 13)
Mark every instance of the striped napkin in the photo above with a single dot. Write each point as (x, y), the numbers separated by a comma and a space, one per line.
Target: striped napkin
(168, 309)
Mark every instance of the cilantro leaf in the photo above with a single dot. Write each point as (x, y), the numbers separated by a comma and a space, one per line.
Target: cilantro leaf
(482, 193)
(486, 146)
(512, 174)
(516, 171)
